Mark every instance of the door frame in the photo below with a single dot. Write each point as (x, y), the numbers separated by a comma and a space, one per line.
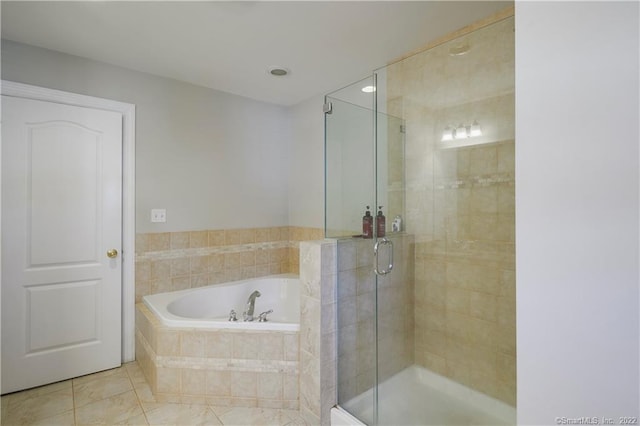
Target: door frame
(128, 111)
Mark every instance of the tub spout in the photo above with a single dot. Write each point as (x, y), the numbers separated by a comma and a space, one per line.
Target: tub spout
(251, 304)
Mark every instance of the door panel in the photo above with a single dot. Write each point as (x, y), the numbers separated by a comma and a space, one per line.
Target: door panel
(72, 154)
(61, 212)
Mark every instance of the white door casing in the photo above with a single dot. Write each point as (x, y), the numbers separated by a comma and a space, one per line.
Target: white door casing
(61, 197)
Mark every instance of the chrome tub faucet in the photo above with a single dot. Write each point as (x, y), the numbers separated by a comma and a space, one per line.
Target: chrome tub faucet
(251, 304)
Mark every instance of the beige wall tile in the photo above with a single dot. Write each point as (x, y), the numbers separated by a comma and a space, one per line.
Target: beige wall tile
(198, 239)
(239, 236)
(244, 345)
(193, 382)
(158, 241)
(143, 271)
(232, 260)
(180, 267)
(484, 306)
(457, 300)
(160, 269)
(200, 280)
(168, 380)
(218, 345)
(218, 383)
(215, 238)
(244, 384)
(215, 262)
(199, 264)
(248, 258)
(192, 343)
(262, 235)
(180, 283)
(270, 385)
(168, 342)
(179, 240)
(142, 241)
(263, 270)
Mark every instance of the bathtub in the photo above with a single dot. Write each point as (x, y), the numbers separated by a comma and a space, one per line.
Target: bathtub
(209, 307)
(189, 351)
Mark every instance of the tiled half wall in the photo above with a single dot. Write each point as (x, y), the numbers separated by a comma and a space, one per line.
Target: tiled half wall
(171, 261)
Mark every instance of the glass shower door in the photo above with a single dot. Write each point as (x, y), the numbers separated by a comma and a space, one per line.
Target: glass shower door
(364, 160)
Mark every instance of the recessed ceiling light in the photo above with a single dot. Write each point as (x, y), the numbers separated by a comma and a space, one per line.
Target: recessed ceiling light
(368, 89)
(278, 71)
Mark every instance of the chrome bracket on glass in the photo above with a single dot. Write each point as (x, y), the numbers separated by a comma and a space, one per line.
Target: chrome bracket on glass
(382, 242)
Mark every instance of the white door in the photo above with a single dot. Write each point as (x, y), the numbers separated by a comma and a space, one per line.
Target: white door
(61, 215)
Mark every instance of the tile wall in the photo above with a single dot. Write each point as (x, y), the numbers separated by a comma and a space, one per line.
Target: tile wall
(318, 391)
(218, 367)
(356, 314)
(460, 206)
(172, 261)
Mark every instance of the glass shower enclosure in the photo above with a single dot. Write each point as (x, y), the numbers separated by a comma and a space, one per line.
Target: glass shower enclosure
(426, 303)
(364, 154)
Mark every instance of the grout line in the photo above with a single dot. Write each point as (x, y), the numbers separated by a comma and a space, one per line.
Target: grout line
(215, 414)
(135, 391)
(73, 402)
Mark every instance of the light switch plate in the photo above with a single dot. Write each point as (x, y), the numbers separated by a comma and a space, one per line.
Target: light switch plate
(158, 215)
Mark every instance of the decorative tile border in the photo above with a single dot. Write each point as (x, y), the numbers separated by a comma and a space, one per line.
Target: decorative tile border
(205, 251)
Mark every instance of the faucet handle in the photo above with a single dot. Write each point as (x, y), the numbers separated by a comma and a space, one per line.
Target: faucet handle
(233, 316)
(263, 316)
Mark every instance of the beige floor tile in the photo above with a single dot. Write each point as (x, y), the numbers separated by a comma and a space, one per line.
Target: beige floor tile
(140, 420)
(114, 372)
(182, 414)
(62, 419)
(117, 409)
(25, 410)
(221, 410)
(3, 408)
(144, 393)
(244, 416)
(135, 374)
(103, 387)
(298, 421)
(40, 390)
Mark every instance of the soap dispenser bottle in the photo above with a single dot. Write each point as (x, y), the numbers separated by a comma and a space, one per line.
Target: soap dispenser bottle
(381, 223)
(367, 224)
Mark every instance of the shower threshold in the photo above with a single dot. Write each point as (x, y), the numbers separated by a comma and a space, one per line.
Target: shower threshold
(417, 396)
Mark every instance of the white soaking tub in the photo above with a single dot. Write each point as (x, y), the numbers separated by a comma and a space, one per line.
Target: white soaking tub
(210, 306)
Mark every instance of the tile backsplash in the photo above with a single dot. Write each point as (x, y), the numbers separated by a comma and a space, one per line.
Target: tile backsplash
(170, 261)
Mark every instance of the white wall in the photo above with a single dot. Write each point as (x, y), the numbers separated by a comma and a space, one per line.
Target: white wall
(577, 210)
(306, 168)
(212, 159)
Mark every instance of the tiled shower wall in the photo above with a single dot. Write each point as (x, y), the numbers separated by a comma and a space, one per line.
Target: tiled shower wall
(172, 261)
(358, 305)
(460, 206)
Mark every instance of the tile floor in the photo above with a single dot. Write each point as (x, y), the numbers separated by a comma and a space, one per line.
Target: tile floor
(122, 397)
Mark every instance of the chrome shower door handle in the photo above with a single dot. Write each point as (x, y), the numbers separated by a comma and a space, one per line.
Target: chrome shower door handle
(376, 247)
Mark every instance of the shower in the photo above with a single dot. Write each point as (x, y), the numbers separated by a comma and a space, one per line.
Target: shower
(426, 307)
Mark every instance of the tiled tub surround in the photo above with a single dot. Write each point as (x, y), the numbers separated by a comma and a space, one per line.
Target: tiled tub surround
(218, 367)
(171, 261)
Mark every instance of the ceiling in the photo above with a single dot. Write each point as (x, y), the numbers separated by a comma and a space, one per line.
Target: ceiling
(230, 46)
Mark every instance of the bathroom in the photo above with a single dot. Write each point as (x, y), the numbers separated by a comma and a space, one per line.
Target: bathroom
(267, 172)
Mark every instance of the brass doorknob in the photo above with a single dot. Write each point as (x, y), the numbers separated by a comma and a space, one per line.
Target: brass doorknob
(112, 253)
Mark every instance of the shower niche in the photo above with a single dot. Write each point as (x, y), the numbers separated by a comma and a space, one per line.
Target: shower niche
(426, 311)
